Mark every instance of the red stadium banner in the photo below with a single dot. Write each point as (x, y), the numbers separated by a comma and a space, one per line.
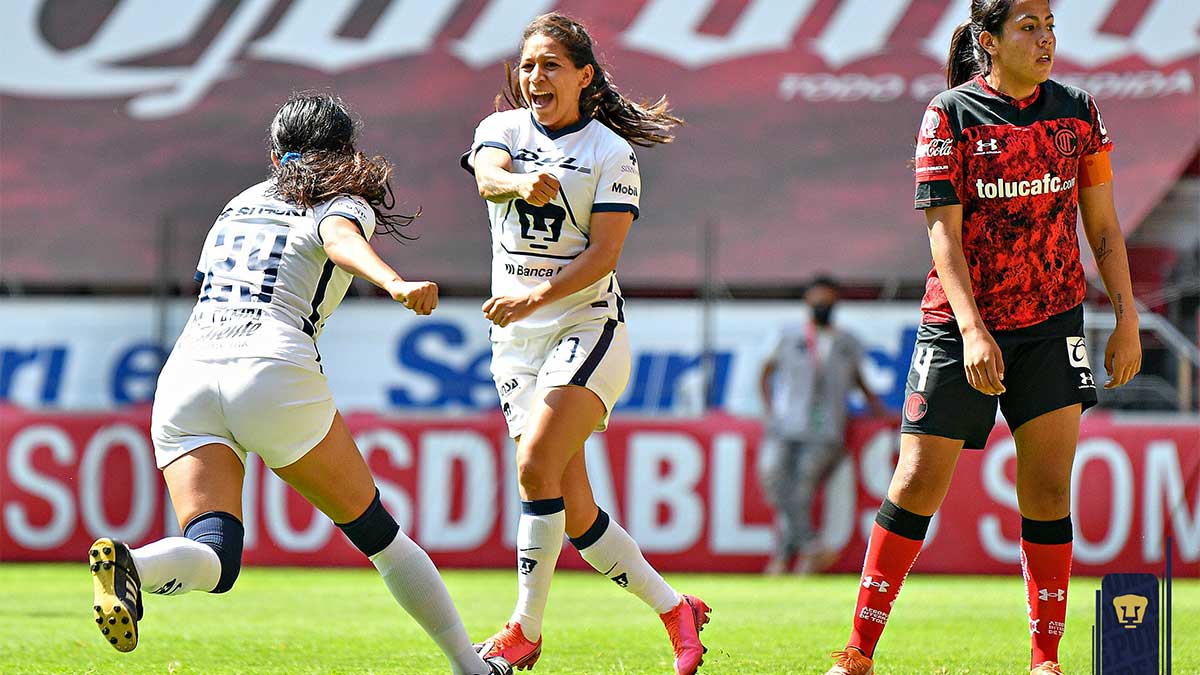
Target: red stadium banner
(685, 489)
(802, 116)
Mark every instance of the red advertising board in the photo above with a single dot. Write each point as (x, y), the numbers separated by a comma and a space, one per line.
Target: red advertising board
(686, 490)
(121, 116)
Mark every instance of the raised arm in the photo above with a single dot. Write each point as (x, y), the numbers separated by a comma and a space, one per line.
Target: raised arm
(497, 182)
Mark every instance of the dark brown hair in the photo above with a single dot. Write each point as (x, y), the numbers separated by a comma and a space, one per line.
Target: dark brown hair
(967, 57)
(313, 135)
(643, 124)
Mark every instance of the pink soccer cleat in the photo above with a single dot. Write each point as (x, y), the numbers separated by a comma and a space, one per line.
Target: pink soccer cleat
(684, 623)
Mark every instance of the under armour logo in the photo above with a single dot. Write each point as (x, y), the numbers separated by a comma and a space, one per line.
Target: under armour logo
(1086, 380)
(987, 147)
(1033, 626)
(1045, 594)
(621, 580)
(526, 565)
(881, 585)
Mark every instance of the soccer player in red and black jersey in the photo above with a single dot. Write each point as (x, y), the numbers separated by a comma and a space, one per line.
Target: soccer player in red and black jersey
(1005, 159)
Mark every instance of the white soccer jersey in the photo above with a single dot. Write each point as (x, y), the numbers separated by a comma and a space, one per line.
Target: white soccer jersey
(267, 284)
(597, 171)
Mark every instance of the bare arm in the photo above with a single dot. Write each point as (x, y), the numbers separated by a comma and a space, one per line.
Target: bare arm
(497, 182)
(765, 381)
(873, 401)
(607, 238)
(1123, 353)
(346, 247)
(982, 359)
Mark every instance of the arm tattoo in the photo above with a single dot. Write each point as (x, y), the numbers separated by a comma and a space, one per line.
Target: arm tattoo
(1120, 306)
(1103, 251)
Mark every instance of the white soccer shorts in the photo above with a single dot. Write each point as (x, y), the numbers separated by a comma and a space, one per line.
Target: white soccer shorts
(594, 354)
(273, 408)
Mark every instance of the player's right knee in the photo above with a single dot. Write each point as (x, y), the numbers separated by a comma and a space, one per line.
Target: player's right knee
(224, 534)
(372, 531)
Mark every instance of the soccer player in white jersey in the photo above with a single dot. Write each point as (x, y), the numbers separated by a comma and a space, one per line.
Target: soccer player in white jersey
(245, 376)
(562, 186)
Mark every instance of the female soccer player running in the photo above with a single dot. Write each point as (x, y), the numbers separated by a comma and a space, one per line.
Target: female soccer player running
(1005, 159)
(562, 186)
(245, 376)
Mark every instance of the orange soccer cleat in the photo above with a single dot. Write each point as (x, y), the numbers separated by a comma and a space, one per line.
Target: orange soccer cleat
(851, 662)
(1047, 668)
(512, 644)
(684, 623)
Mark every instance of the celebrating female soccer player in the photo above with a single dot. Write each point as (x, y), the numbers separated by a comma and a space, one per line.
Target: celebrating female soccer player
(245, 376)
(562, 186)
(1005, 159)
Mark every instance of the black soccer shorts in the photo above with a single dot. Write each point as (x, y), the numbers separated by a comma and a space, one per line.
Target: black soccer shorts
(1046, 367)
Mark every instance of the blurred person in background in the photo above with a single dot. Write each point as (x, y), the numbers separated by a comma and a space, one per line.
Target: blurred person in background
(245, 376)
(805, 381)
(1005, 160)
(562, 187)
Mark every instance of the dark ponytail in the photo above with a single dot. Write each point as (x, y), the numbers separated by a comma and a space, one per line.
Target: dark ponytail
(643, 124)
(967, 58)
(313, 134)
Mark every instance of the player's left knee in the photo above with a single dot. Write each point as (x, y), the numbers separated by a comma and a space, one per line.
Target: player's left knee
(372, 531)
(224, 534)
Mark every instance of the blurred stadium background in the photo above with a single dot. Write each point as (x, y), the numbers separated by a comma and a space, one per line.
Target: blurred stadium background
(126, 125)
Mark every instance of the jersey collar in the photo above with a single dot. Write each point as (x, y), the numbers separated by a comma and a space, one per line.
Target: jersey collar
(569, 129)
(1019, 105)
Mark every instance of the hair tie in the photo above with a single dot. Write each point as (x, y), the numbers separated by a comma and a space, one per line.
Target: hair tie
(287, 157)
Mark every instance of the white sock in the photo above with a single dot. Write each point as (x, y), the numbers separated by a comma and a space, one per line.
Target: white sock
(616, 555)
(415, 583)
(177, 565)
(539, 541)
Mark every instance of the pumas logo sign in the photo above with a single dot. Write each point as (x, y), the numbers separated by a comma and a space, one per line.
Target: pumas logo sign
(1007, 189)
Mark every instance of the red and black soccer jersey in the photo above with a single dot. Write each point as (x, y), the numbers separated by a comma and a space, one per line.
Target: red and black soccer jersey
(1015, 168)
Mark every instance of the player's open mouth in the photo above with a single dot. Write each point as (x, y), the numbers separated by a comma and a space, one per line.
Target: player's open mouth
(1045, 58)
(541, 100)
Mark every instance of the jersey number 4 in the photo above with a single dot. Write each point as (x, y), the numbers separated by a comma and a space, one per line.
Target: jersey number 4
(251, 269)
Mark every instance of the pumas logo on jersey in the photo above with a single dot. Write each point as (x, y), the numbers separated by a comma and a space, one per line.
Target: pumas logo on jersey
(1007, 189)
(622, 189)
(540, 225)
(987, 146)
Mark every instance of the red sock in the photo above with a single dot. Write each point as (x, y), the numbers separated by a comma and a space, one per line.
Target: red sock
(889, 558)
(1047, 569)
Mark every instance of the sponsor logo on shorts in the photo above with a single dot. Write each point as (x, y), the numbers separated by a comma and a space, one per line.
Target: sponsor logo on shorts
(1077, 352)
(508, 386)
(915, 407)
(1086, 381)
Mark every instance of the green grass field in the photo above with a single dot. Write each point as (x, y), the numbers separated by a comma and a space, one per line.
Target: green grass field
(343, 621)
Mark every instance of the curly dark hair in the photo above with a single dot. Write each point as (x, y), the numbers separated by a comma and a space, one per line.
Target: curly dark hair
(643, 124)
(318, 130)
